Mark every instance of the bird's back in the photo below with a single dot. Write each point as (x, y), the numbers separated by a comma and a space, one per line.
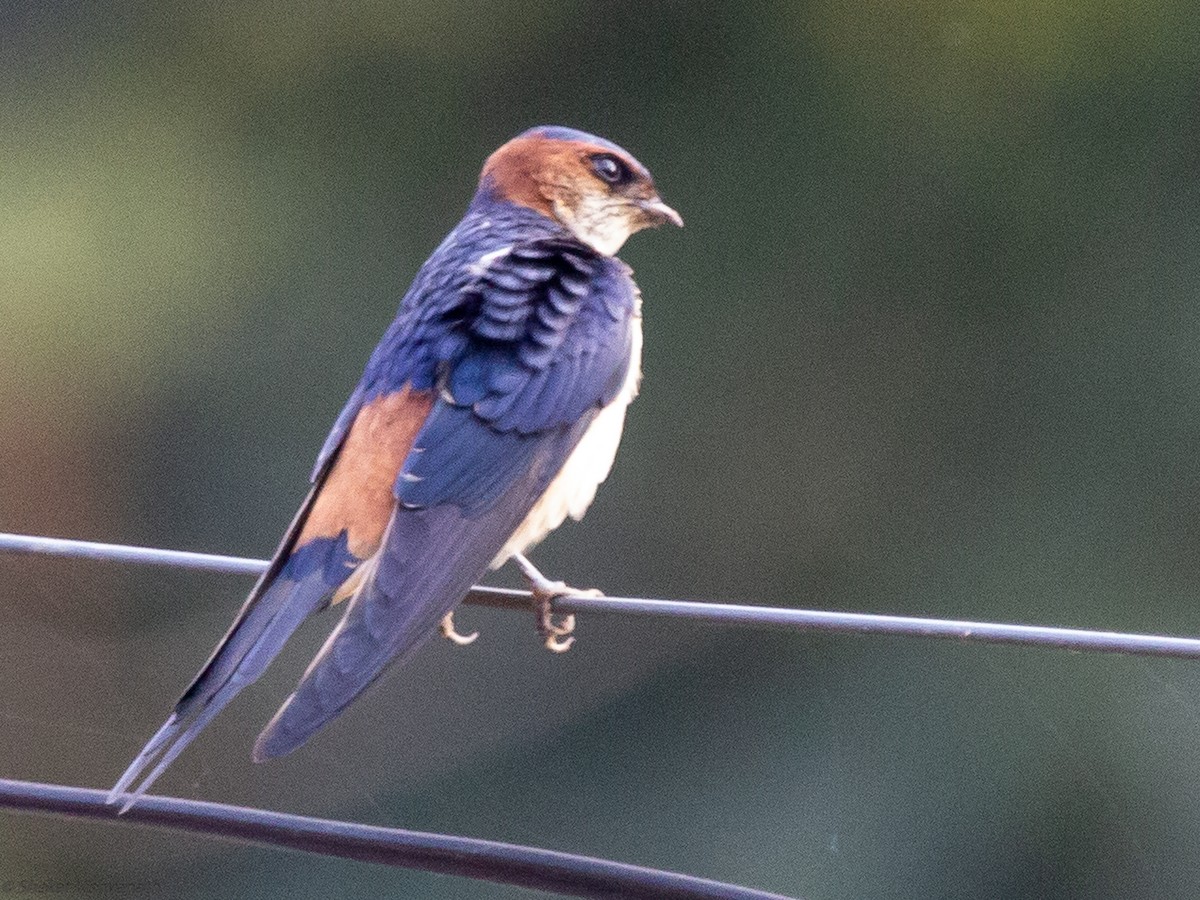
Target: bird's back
(489, 412)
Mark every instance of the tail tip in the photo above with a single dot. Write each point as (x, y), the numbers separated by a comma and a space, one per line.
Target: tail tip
(268, 746)
(277, 738)
(126, 799)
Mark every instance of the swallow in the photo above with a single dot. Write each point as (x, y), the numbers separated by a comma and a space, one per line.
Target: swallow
(490, 411)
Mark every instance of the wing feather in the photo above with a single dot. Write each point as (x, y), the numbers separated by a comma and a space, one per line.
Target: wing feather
(500, 358)
(490, 447)
(340, 523)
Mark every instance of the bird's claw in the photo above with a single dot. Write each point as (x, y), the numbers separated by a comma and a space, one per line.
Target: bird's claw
(450, 633)
(556, 636)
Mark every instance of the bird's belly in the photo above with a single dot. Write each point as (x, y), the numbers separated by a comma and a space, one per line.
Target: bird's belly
(574, 487)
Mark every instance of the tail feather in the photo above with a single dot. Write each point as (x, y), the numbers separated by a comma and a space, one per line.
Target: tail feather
(273, 612)
(428, 562)
(153, 747)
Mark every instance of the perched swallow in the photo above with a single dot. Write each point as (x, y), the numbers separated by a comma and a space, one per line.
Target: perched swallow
(490, 411)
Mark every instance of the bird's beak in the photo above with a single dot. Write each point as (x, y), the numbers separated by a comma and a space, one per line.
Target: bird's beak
(657, 212)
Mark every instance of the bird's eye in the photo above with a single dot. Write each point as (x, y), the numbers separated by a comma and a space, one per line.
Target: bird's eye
(610, 169)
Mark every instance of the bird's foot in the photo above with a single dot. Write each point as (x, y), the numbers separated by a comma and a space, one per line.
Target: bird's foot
(557, 635)
(450, 633)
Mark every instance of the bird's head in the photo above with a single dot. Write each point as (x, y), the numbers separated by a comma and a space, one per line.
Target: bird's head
(598, 191)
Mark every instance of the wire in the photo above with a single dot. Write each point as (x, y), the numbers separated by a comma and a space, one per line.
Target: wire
(713, 613)
(531, 867)
(546, 870)
(172, 559)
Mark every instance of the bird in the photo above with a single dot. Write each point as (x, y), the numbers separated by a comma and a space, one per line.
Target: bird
(489, 413)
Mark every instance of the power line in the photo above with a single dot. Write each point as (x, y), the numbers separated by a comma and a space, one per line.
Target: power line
(714, 613)
(531, 867)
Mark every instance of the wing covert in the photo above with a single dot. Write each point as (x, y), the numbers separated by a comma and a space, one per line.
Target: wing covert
(533, 359)
(542, 340)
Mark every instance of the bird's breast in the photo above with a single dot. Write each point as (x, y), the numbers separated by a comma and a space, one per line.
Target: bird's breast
(574, 487)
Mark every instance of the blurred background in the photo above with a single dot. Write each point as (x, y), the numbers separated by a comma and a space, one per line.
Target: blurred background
(929, 344)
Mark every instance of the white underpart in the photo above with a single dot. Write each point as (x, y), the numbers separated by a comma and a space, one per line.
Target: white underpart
(573, 489)
(602, 224)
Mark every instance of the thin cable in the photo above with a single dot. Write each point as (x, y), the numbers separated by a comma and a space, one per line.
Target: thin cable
(146, 556)
(713, 613)
(530, 867)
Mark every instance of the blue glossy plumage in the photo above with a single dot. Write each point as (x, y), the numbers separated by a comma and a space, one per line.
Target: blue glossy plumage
(524, 334)
(304, 584)
(306, 578)
(431, 324)
(528, 342)
(525, 348)
(298, 582)
(431, 559)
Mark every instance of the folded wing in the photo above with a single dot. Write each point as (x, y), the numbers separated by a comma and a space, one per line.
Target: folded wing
(490, 376)
(340, 524)
(540, 344)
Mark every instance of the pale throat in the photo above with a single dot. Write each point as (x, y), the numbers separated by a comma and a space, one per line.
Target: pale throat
(601, 223)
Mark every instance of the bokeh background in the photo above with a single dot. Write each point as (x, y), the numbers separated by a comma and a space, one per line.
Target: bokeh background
(929, 344)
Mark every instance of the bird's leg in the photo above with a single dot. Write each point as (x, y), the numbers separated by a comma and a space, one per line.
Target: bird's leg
(451, 634)
(557, 635)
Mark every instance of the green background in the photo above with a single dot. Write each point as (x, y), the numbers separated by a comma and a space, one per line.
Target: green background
(928, 345)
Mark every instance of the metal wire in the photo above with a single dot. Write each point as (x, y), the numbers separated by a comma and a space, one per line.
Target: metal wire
(531, 867)
(507, 863)
(713, 613)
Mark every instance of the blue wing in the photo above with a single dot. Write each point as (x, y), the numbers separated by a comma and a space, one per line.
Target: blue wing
(523, 357)
(297, 582)
(340, 523)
